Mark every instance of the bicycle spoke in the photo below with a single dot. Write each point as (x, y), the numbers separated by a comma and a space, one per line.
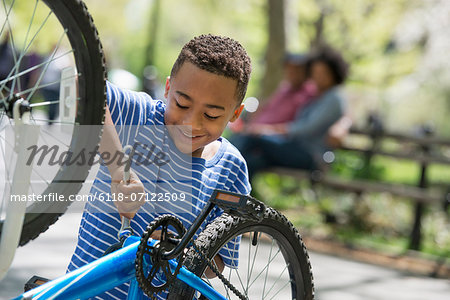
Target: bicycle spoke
(40, 41)
(33, 192)
(8, 175)
(45, 103)
(248, 265)
(281, 289)
(273, 285)
(9, 78)
(6, 169)
(13, 46)
(267, 270)
(229, 277)
(7, 89)
(262, 271)
(7, 15)
(55, 121)
(46, 141)
(29, 26)
(237, 271)
(3, 101)
(229, 273)
(9, 144)
(16, 66)
(46, 66)
(33, 89)
(207, 280)
(231, 269)
(54, 137)
(37, 86)
(240, 280)
(254, 259)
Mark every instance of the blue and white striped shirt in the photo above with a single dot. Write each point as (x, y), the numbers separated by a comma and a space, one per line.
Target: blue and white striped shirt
(138, 118)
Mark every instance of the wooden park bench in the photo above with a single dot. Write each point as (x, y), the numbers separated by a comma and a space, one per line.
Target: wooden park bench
(423, 148)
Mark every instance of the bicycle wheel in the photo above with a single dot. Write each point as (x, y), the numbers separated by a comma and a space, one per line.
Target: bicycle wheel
(50, 54)
(273, 262)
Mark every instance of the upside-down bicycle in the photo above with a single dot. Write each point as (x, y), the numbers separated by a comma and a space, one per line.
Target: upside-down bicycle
(174, 263)
(161, 265)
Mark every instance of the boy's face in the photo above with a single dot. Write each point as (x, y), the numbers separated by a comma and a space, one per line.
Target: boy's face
(200, 104)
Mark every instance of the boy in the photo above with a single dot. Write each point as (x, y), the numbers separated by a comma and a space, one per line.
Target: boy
(204, 92)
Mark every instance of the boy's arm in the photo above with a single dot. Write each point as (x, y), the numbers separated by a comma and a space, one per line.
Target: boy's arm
(110, 142)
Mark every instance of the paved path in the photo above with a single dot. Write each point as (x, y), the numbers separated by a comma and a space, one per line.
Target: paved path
(335, 278)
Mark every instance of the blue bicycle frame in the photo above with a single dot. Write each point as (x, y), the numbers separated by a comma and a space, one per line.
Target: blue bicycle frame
(108, 272)
(118, 267)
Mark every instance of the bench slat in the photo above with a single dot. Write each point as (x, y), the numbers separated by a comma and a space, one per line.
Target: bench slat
(424, 159)
(359, 186)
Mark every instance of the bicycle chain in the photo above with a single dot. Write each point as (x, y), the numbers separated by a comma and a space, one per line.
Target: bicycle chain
(219, 274)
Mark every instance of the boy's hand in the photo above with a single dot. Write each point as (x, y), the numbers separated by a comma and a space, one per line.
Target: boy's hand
(129, 195)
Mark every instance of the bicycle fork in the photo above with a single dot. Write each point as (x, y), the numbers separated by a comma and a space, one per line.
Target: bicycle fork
(26, 135)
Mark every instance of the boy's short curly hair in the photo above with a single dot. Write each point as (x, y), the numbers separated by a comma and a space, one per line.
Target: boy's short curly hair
(219, 55)
(334, 60)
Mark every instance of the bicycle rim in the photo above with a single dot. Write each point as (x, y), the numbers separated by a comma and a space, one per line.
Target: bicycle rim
(38, 41)
(273, 262)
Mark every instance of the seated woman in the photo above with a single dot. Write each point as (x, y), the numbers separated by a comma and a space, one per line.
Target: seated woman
(301, 143)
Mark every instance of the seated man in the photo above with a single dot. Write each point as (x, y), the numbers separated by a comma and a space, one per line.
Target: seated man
(302, 142)
(294, 92)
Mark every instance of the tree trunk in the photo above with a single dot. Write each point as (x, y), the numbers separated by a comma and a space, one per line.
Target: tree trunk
(152, 34)
(318, 39)
(276, 47)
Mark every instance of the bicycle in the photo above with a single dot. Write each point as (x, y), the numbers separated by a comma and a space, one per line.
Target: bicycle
(65, 32)
(175, 264)
(82, 101)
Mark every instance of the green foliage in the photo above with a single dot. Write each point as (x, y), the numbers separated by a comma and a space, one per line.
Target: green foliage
(362, 30)
(366, 31)
(35, 23)
(376, 221)
(356, 166)
(124, 30)
(352, 165)
(279, 192)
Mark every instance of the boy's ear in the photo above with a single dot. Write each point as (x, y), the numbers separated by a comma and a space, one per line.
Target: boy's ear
(237, 113)
(167, 88)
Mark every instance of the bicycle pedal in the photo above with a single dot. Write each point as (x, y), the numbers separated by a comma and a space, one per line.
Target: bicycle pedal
(34, 282)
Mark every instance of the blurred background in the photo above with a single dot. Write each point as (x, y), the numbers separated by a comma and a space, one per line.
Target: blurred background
(398, 50)
(384, 195)
(399, 57)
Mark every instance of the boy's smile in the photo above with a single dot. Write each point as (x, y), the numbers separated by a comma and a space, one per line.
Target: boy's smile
(200, 104)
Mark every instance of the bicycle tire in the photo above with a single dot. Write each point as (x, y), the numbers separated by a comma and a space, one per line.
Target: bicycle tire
(226, 227)
(83, 37)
